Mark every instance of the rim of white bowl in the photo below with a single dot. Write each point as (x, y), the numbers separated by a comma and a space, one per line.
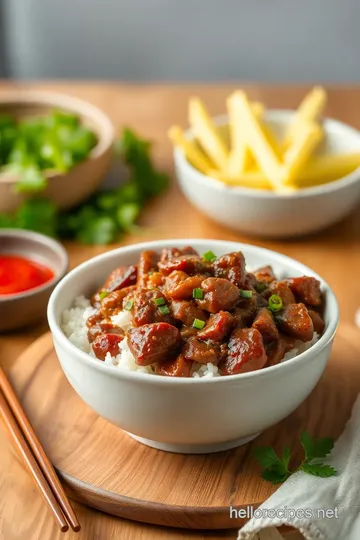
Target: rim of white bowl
(158, 379)
(334, 185)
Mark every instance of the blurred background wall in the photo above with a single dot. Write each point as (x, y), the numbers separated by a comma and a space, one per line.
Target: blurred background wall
(265, 40)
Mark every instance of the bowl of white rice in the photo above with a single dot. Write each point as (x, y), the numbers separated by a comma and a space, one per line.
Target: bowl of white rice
(202, 413)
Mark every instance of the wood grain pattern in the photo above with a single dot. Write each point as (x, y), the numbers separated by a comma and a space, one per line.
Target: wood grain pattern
(151, 109)
(108, 470)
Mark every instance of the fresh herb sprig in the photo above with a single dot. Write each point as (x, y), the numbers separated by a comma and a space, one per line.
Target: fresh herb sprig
(276, 468)
(107, 214)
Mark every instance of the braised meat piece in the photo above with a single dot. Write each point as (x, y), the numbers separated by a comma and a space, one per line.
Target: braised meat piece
(232, 267)
(246, 352)
(295, 321)
(149, 307)
(187, 311)
(188, 331)
(152, 343)
(306, 290)
(114, 301)
(171, 253)
(186, 263)
(219, 295)
(282, 289)
(177, 367)
(265, 323)
(276, 350)
(180, 286)
(218, 326)
(265, 274)
(201, 351)
(106, 343)
(245, 311)
(124, 276)
(147, 264)
(317, 320)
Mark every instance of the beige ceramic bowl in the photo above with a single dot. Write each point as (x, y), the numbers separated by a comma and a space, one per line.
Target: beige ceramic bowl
(22, 309)
(65, 189)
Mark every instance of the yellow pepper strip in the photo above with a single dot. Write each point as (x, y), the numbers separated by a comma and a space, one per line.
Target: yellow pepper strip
(207, 134)
(240, 158)
(308, 138)
(192, 152)
(249, 179)
(310, 109)
(257, 140)
(329, 167)
(319, 170)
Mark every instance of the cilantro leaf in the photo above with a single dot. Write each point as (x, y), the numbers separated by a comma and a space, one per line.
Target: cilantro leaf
(266, 456)
(37, 214)
(319, 469)
(286, 456)
(126, 215)
(308, 444)
(29, 177)
(274, 476)
(276, 469)
(323, 447)
(101, 230)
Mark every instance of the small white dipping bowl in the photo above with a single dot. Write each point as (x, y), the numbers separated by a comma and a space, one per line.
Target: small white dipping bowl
(188, 415)
(267, 214)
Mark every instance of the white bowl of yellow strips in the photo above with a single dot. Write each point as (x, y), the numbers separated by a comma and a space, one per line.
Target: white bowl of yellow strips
(270, 173)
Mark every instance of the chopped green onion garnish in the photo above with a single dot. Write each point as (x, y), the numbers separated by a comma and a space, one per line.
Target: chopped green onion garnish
(159, 301)
(129, 304)
(209, 256)
(164, 310)
(260, 287)
(275, 303)
(198, 324)
(198, 293)
(103, 295)
(246, 294)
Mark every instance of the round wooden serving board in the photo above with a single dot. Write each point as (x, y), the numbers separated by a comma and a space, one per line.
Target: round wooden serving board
(106, 469)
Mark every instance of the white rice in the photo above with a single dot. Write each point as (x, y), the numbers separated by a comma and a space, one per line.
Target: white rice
(74, 327)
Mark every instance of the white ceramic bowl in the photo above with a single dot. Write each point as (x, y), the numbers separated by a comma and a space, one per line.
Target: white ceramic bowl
(188, 415)
(264, 213)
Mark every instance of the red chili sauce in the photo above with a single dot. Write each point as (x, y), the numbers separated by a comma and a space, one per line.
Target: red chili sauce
(18, 274)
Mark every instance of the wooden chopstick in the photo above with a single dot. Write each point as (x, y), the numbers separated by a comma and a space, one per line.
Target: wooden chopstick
(15, 432)
(27, 442)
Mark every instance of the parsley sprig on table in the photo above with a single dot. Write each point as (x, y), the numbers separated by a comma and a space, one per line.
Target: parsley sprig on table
(276, 468)
(107, 214)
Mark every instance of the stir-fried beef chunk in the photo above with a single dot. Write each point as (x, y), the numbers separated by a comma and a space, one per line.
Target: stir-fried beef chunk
(219, 295)
(148, 307)
(180, 286)
(265, 274)
(231, 267)
(177, 367)
(246, 352)
(106, 343)
(264, 322)
(184, 310)
(295, 320)
(190, 264)
(282, 289)
(187, 311)
(218, 326)
(201, 351)
(306, 290)
(276, 350)
(153, 342)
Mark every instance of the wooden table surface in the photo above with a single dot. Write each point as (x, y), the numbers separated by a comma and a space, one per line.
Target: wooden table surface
(334, 254)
